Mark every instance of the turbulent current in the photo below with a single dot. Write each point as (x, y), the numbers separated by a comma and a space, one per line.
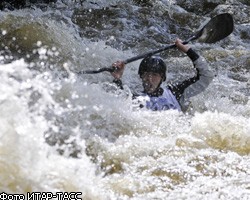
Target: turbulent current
(63, 132)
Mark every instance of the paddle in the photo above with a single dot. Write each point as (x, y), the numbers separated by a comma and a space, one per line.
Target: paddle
(216, 29)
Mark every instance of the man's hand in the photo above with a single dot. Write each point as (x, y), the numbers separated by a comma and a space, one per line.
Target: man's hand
(180, 46)
(119, 67)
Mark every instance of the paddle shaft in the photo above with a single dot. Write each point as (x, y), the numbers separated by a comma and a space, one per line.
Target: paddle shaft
(150, 53)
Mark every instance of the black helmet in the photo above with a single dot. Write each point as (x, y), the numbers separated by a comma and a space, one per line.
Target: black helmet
(153, 64)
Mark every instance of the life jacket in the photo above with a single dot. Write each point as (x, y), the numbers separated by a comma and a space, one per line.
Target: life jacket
(165, 101)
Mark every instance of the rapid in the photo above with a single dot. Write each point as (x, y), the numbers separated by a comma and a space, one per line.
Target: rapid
(63, 132)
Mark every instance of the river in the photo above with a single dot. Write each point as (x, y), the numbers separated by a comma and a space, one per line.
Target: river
(63, 132)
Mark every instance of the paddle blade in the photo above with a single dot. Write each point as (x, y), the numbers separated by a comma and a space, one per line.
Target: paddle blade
(217, 28)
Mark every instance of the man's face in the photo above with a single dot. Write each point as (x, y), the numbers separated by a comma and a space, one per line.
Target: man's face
(151, 81)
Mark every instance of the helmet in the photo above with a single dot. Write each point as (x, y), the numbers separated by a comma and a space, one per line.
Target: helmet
(153, 64)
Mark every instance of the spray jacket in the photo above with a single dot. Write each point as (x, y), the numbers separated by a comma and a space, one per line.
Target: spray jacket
(177, 96)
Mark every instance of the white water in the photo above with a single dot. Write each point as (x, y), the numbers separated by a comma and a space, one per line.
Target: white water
(118, 152)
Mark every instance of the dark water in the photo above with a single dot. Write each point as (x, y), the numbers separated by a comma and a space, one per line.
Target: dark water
(64, 132)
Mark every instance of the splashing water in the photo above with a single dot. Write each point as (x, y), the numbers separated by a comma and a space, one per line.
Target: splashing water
(63, 133)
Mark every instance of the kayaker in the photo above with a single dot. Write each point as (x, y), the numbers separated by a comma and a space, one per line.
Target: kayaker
(152, 71)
